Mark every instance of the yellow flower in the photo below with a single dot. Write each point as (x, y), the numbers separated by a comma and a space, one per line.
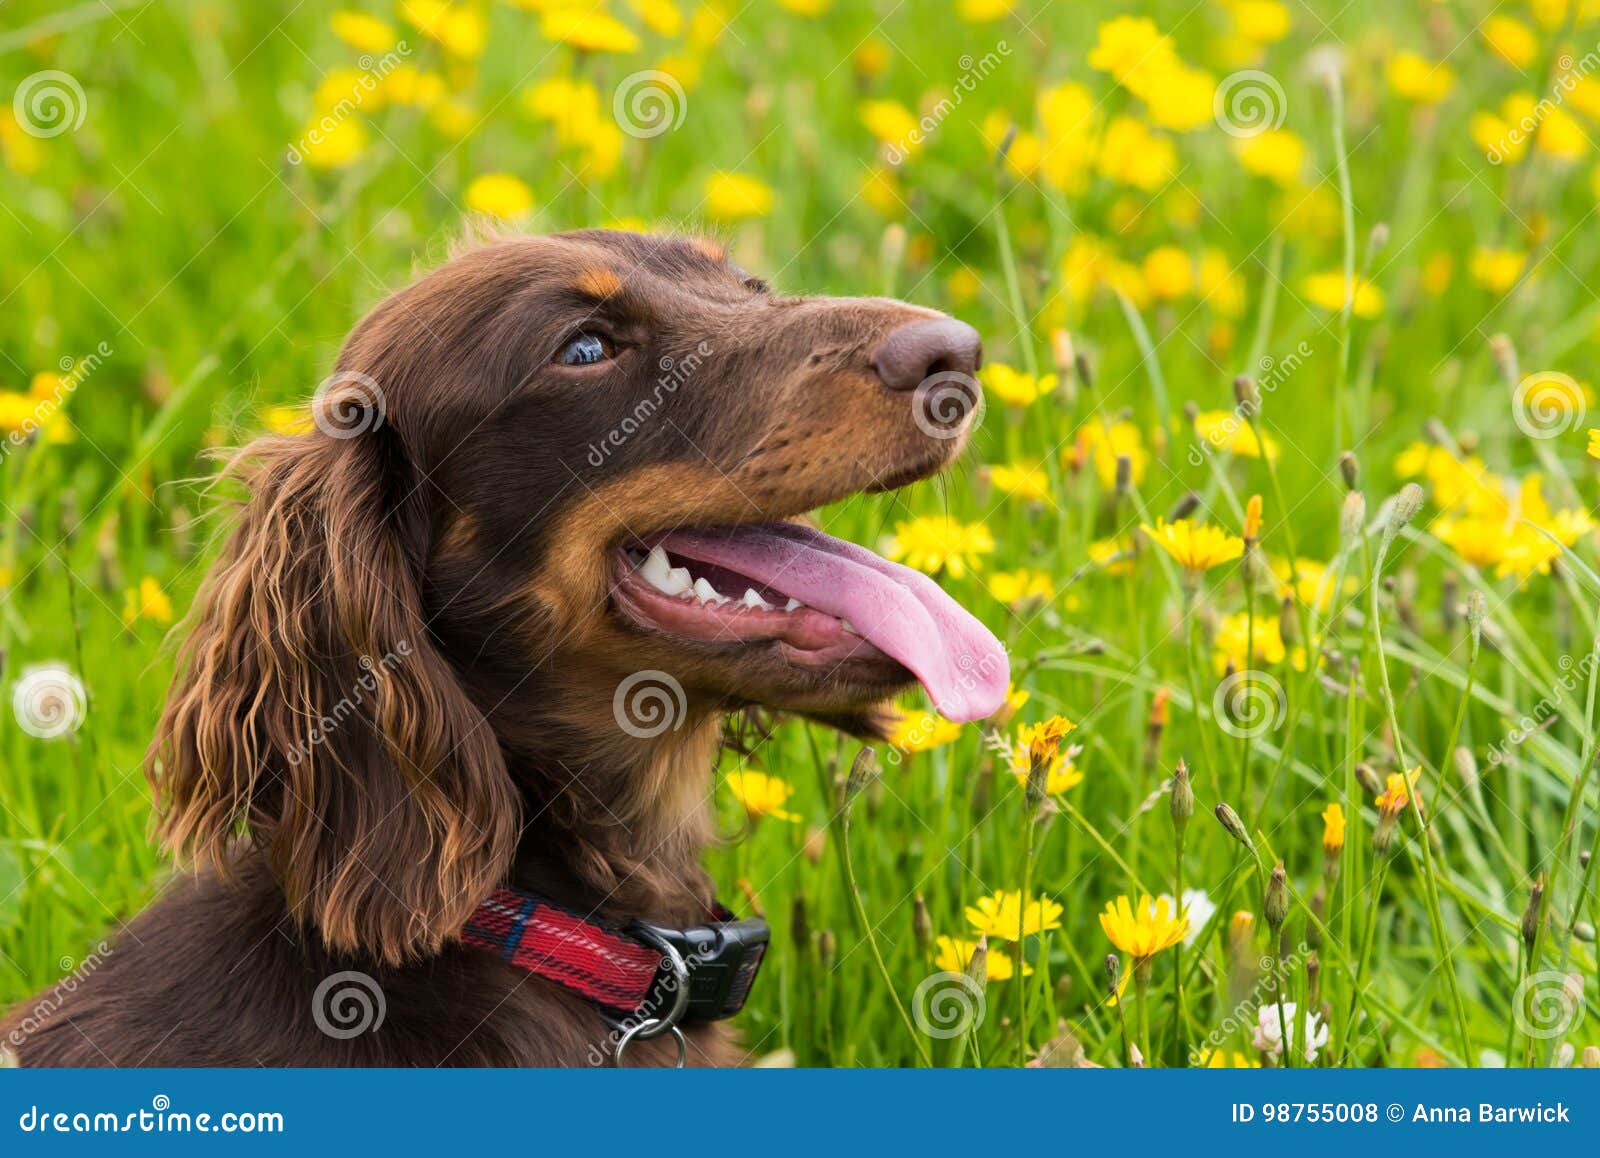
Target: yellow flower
(660, 16)
(1328, 291)
(20, 149)
(737, 196)
(954, 955)
(1022, 586)
(1309, 582)
(333, 143)
(1437, 273)
(1561, 136)
(149, 602)
(984, 11)
(1419, 80)
(1510, 39)
(1089, 264)
(587, 28)
(1029, 483)
(1197, 547)
(362, 32)
(1104, 444)
(1333, 828)
(1222, 1059)
(922, 732)
(1133, 51)
(1015, 387)
(405, 85)
(1497, 270)
(458, 28)
(880, 188)
(872, 57)
(1003, 916)
(1226, 430)
(1115, 556)
(1276, 154)
(1131, 154)
(891, 123)
(1398, 790)
(287, 419)
(1252, 518)
(1181, 98)
(1168, 273)
(761, 795)
(812, 8)
(1235, 644)
(499, 195)
(1145, 930)
(963, 286)
(1220, 284)
(936, 543)
(1067, 122)
(1043, 742)
(1263, 21)
(1504, 136)
(1594, 443)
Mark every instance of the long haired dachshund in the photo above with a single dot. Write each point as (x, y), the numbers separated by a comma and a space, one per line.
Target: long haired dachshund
(547, 469)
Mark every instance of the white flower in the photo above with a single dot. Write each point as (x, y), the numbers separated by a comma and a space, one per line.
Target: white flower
(1197, 907)
(1269, 1033)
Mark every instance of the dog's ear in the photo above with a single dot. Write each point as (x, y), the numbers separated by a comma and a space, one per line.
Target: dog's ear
(313, 716)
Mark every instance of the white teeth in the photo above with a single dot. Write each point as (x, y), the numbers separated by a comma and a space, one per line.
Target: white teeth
(792, 604)
(848, 626)
(679, 581)
(656, 569)
(751, 599)
(706, 593)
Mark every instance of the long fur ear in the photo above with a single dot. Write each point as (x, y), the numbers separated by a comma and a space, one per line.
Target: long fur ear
(313, 717)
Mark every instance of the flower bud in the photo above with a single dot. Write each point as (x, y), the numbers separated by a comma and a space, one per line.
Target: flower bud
(1352, 521)
(978, 964)
(800, 923)
(1532, 917)
(1247, 394)
(1583, 931)
(921, 924)
(1182, 797)
(1350, 470)
(1229, 819)
(863, 771)
(1275, 908)
(1367, 776)
(827, 948)
(1402, 509)
(1113, 973)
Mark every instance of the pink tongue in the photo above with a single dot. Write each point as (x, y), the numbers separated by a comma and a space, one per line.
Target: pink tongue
(902, 612)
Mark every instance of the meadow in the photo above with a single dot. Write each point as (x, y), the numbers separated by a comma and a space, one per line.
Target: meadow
(1282, 496)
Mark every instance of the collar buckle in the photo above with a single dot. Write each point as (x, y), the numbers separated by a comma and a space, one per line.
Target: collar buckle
(707, 970)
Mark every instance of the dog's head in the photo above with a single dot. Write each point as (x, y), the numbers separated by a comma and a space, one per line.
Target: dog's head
(544, 527)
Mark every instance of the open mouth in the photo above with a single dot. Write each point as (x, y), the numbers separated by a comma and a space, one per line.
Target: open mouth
(821, 602)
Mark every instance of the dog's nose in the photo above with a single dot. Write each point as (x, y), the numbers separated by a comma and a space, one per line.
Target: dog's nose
(916, 351)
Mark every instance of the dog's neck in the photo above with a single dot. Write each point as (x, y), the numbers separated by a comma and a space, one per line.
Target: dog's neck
(618, 823)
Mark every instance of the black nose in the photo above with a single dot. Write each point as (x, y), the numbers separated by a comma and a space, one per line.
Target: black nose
(916, 351)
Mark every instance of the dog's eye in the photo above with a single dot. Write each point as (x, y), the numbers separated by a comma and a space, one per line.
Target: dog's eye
(585, 350)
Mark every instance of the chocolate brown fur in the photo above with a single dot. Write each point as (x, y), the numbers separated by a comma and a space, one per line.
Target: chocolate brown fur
(453, 562)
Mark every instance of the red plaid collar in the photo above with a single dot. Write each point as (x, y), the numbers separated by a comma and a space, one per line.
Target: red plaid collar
(622, 968)
(598, 961)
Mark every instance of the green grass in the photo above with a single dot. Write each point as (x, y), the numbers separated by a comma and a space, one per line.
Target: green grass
(169, 231)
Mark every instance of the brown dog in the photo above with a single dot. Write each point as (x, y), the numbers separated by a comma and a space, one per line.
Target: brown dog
(409, 677)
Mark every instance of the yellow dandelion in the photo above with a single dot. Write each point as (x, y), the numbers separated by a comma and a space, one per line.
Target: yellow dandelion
(936, 543)
(922, 732)
(1398, 790)
(1028, 483)
(149, 602)
(1420, 81)
(1230, 431)
(737, 197)
(460, 29)
(761, 794)
(1144, 930)
(1025, 585)
(1276, 154)
(1004, 917)
(1328, 291)
(1510, 39)
(1333, 828)
(362, 32)
(1497, 270)
(1225, 1059)
(1015, 387)
(590, 29)
(499, 195)
(1197, 547)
